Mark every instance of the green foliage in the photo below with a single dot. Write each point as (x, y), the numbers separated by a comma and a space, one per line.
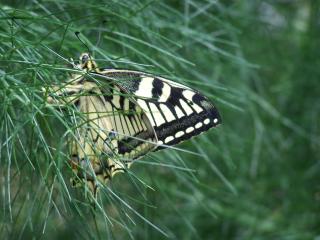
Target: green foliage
(255, 177)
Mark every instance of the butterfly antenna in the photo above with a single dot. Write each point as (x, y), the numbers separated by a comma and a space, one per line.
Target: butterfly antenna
(78, 36)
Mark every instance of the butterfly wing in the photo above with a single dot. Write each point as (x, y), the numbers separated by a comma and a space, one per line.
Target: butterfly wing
(176, 112)
(132, 114)
(134, 133)
(111, 129)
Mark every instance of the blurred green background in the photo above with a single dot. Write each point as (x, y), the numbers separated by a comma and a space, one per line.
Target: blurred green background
(254, 177)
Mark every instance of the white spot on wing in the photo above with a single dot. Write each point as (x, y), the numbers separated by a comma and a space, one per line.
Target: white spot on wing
(167, 113)
(186, 107)
(215, 120)
(189, 129)
(198, 125)
(160, 142)
(206, 121)
(179, 134)
(145, 87)
(168, 139)
(156, 114)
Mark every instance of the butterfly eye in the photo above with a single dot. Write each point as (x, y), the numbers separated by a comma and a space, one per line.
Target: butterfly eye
(84, 58)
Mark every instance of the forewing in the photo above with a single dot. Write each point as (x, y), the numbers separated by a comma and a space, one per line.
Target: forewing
(176, 112)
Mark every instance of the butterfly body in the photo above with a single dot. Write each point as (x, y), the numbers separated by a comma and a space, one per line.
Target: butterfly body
(125, 114)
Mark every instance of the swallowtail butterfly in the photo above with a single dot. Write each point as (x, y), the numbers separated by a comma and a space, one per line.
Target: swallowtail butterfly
(125, 114)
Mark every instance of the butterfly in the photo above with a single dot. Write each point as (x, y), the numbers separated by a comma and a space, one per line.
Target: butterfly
(123, 115)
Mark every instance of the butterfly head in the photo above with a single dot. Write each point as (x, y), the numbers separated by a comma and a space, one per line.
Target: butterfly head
(87, 63)
(70, 91)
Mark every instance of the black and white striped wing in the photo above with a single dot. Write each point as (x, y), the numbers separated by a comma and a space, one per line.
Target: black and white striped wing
(135, 134)
(176, 112)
